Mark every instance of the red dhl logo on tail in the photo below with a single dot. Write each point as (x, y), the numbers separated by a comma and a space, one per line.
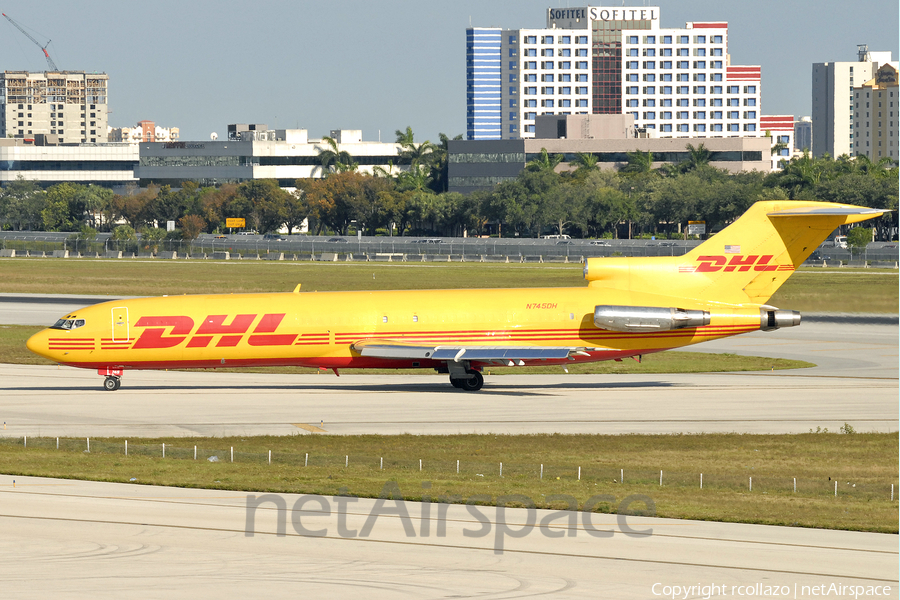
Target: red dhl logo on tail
(735, 262)
(170, 331)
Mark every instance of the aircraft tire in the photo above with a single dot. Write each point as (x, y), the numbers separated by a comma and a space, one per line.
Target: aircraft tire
(111, 384)
(474, 382)
(457, 383)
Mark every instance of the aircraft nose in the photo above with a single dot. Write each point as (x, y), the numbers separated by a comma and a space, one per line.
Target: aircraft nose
(38, 343)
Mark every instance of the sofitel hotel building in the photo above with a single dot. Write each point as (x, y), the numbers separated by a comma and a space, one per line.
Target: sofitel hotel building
(598, 60)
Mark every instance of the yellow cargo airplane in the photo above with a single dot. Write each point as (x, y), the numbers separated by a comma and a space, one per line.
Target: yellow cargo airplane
(630, 307)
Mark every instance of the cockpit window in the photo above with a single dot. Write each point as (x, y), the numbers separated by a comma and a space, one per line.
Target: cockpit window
(68, 323)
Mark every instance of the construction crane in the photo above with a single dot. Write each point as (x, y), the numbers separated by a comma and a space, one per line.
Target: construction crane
(43, 48)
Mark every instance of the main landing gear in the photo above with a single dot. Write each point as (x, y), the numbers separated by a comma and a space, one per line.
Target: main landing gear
(472, 383)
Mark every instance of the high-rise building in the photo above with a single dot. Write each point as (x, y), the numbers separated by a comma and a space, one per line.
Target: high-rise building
(803, 134)
(70, 105)
(832, 100)
(597, 60)
(875, 116)
(483, 84)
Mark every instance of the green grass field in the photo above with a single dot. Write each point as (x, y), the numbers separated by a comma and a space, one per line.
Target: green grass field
(811, 290)
(864, 466)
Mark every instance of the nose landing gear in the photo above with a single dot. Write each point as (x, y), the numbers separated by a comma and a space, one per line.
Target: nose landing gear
(113, 378)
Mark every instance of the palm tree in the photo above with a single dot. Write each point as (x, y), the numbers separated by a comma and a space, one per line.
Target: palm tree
(333, 159)
(438, 163)
(417, 154)
(545, 162)
(584, 163)
(776, 149)
(697, 157)
(883, 168)
(416, 179)
(803, 173)
(386, 171)
(405, 137)
(638, 162)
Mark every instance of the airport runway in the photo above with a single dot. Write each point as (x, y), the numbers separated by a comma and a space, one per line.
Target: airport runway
(73, 539)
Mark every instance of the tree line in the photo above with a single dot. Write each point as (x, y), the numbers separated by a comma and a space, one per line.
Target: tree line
(583, 201)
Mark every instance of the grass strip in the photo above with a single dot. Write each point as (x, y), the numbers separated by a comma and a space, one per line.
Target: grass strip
(864, 465)
(810, 290)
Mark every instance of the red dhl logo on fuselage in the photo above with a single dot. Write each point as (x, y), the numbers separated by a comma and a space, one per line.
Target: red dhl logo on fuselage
(170, 331)
(735, 262)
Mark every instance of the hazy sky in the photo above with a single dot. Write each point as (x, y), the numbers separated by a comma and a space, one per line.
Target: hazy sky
(376, 65)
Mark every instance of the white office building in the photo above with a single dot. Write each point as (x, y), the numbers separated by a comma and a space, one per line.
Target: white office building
(100, 163)
(595, 60)
(833, 86)
(253, 151)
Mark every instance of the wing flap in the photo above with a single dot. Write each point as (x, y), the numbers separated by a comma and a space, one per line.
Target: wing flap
(449, 352)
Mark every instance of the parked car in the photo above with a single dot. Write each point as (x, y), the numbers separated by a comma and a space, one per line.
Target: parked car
(338, 240)
(275, 237)
(565, 243)
(599, 243)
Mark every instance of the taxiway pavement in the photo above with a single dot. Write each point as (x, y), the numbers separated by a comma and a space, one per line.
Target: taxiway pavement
(77, 539)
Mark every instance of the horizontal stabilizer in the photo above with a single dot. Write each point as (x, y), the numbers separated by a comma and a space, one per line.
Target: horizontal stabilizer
(829, 211)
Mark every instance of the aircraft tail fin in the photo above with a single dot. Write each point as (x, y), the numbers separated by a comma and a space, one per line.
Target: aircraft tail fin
(746, 262)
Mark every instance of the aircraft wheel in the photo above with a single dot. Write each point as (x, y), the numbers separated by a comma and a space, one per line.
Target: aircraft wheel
(111, 384)
(474, 382)
(457, 383)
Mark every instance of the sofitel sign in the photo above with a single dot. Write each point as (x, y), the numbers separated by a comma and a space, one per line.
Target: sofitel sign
(571, 18)
(623, 14)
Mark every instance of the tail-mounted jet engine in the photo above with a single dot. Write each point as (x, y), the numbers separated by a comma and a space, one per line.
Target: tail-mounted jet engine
(772, 319)
(647, 318)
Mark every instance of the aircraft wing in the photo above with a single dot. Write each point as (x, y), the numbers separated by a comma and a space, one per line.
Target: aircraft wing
(468, 352)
